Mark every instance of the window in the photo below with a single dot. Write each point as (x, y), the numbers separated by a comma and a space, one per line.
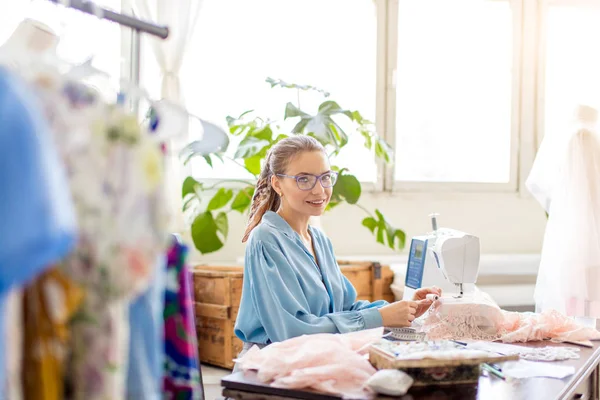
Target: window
(238, 43)
(463, 87)
(82, 36)
(454, 85)
(572, 67)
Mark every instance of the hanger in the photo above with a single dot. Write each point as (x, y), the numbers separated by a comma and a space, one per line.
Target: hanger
(173, 119)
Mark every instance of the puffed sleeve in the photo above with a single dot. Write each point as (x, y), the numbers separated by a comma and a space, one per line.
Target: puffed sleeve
(282, 306)
(351, 304)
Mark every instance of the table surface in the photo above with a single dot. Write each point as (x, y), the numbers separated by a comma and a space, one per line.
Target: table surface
(488, 388)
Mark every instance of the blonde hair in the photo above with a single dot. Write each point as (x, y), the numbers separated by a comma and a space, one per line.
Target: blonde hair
(265, 198)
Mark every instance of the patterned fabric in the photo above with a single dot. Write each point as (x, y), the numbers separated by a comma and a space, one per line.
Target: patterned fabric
(48, 304)
(182, 373)
(115, 176)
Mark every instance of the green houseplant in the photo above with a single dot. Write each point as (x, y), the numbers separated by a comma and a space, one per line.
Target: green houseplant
(207, 205)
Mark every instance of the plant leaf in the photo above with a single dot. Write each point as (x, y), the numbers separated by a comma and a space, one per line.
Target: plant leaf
(383, 150)
(189, 186)
(243, 199)
(348, 187)
(280, 137)
(401, 236)
(280, 83)
(332, 204)
(395, 238)
(208, 160)
(370, 223)
(190, 201)
(320, 127)
(204, 233)
(339, 133)
(357, 117)
(250, 146)
(292, 111)
(366, 134)
(222, 224)
(301, 125)
(264, 133)
(220, 199)
(330, 107)
(252, 164)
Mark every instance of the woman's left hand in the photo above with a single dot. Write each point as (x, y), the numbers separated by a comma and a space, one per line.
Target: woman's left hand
(421, 298)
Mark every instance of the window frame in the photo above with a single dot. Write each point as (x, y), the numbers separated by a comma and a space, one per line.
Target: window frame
(520, 131)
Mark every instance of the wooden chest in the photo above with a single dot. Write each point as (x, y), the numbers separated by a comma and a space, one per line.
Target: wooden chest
(218, 290)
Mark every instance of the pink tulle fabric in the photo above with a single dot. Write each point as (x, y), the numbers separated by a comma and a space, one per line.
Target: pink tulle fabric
(330, 363)
(486, 321)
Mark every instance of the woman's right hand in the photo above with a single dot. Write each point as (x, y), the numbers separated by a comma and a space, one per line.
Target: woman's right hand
(399, 314)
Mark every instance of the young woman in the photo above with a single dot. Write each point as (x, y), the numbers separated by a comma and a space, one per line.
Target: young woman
(292, 282)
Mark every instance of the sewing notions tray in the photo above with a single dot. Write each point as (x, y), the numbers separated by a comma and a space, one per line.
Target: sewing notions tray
(433, 362)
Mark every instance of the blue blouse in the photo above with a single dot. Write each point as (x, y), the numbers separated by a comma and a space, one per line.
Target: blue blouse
(287, 294)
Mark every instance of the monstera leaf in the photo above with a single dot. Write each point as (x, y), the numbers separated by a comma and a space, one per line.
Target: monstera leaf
(321, 126)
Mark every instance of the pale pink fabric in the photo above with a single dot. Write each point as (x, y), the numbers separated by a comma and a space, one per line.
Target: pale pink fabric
(485, 321)
(331, 363)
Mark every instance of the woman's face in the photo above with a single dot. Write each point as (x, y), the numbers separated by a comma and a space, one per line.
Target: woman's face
(297, 194)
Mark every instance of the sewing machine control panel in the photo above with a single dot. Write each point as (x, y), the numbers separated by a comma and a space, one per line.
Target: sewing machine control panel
(416, 263)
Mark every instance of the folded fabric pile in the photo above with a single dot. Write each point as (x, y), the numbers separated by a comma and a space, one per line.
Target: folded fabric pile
(330, 363)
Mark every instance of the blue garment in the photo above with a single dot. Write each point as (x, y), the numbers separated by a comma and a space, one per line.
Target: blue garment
(37, 220)
(146, 345)
(286, 294)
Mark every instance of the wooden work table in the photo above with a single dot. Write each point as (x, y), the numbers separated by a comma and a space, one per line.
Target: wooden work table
(582, 385)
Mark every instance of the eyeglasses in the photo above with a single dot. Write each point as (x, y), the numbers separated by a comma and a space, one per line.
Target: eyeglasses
(308, 181)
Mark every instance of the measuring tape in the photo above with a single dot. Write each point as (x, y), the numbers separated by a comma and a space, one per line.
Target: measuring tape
(405, 334)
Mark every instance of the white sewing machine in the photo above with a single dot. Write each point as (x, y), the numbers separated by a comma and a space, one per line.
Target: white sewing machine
(446, 258)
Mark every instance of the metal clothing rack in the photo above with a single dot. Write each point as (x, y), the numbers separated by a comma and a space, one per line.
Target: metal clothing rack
(121, 19)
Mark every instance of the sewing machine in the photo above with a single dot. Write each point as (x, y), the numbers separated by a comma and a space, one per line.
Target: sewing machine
(446, 258)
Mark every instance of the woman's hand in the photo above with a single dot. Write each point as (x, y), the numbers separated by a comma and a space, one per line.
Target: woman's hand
(399, 314)
(421, 294)
(423, 303)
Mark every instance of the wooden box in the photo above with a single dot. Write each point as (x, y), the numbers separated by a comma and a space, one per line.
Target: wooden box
(217, 294)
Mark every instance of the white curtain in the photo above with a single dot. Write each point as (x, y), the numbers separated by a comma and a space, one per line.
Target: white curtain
(181, 19)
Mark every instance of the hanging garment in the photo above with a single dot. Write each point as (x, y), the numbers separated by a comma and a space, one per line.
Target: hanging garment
(182, 370)
(48, 304)
(36, 213)
(115, 177)
(146, 344)
(568, 175)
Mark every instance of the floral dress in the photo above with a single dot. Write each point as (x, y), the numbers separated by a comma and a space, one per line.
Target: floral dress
(115, 175)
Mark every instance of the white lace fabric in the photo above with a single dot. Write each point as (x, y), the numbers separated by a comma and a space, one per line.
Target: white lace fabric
(478, 317)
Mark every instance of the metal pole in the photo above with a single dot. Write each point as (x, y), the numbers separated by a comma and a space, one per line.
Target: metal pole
(126, 20)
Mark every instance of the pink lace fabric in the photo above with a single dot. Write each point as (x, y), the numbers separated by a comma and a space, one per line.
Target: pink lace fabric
(330, 363)
(480, 318)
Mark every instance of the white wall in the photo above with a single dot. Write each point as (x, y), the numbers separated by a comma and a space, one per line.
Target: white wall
(506, 223)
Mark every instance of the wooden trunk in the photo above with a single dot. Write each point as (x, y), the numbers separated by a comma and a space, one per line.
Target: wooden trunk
(217, 294)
